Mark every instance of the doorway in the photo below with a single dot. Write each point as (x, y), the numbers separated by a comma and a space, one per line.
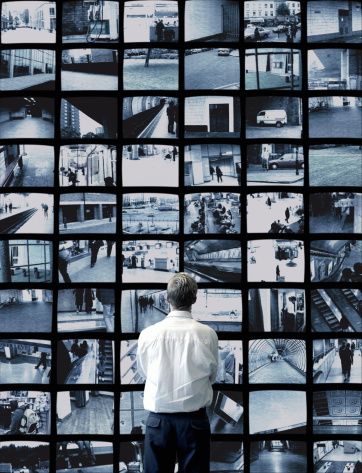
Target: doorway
(219, 117)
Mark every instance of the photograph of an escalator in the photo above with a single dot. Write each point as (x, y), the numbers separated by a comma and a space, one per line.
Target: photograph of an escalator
(86, 456)
(336, 260)
(213, 260)
(225, 457)
(85, 412)
(85, 361)
(337, 360)
(23, 212)
(230, 368)
(336, 310)
(337, 412)
(212, 212)
(277, 361)
(25, 361)
(276, 310)
(275, 261)
(335, 212)
(337, 456)
(89, 309)
(220, 309)
(277, 411)
(26, 310)
(150, 117)
(28, 457)
(277, 456)
(275, 212)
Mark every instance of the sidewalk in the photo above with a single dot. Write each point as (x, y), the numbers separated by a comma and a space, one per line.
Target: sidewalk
(83, 81)
(27, 128)
(25, 82)
(103, 271)
(90, 226)
(38, 223)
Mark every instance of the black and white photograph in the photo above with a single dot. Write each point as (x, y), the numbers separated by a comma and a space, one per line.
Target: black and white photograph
(24, 261)
(27, 69)
(19, 455)
(334, 21)
(213, 260)
(273, 68)
(337, 412)
(24, 412)
(275, 212)
(273, 456)
(24, 165)
(212, 212)
(337, 455)
(26, 310)
(337, 360)
(151, 21)
(28, 22)
(335, 212)
(335, 165)
(220, 309)
(212, 116)
(22, 212)
(87, 261)
(334, 69)
(212, 20)
(150, 69)
(230, 367)
(336, 260)
(336, 310)
(26, 117)
(132, 414)
(272, 22)
(89, 69)
(149, 165)
(277, 310)
(88, 118)
(144, 213)
(86, 212)
(275, 164)
(85, 361)
(273, 117)
(149, 260)
(277, 361)
(212, 165)
(212, 68)
(25, 361)
(275, 261)
(277, 412)
(88, 165)
(150, 117)
(335, 116)
(84, 412)
(89, 309)
(90, 22)
(88, 456)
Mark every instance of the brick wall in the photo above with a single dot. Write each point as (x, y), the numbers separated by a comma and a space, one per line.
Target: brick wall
(75, 18)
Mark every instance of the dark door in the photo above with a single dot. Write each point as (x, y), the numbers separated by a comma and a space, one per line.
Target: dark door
(219, 117)
(344, 22)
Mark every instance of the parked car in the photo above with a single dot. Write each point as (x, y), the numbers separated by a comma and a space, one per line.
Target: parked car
(249, 32)
(272, 117)
(223, 52)
(285, 161)
(280, 29)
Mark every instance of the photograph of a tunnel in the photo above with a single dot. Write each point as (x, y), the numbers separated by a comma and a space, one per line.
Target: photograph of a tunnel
(337, 455)
(213, 260)
(276, 456)
(336, 310)
(277, 411)
(337, 412)
(337, 360)
(277, 361)
(219, 308)
(276, 310)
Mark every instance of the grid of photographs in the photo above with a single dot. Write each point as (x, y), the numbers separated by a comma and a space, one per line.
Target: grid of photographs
(246, 174)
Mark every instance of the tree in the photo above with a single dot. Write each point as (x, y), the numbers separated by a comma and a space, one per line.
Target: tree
(283, 10)
(70, 132)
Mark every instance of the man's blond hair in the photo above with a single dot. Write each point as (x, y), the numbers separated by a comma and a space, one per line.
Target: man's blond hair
(181, 291)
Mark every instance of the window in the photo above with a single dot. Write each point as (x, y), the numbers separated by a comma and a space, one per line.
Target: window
(52, 11)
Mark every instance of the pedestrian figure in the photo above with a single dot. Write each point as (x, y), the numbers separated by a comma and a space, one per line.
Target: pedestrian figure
(160, 28)
(63, 260)
(287, 214)
(277, 272)
(110, 244)
(42, 361)
(45, 210)
(269, 202)
(257, 34)
(212, 171)
(219, 174)
(78, 299)
(171, 117)
(345, 355)
(88, 299)
(94, 246)
(174, 153)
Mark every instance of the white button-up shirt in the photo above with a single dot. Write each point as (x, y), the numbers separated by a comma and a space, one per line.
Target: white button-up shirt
(178, 358)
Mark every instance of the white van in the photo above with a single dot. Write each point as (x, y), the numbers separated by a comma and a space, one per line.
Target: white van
(272, 117)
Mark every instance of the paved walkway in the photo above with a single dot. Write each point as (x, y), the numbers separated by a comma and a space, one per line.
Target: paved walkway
(38, 223)
(26, 317)
(149, 172)
(288, 131)
(338, 122)
(90, 226)
(28, 127)
(83, 81)
(335, 373)
(161, 129)
(256, 175)
(25, 82)
(103, 271)
(145, 275)
(277, 462)
(27, 35)
(277, 372)
(38, 168)
(19, 370)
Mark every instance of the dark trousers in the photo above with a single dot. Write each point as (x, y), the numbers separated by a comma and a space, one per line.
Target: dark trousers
(94, 255)
(63, 269)
(182, 437)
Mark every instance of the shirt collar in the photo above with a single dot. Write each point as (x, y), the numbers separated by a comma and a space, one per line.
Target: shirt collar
(180, 313)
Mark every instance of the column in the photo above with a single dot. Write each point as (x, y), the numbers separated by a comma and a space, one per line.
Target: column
(5, 269)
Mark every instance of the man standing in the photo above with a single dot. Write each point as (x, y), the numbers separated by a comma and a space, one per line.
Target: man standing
(171, 112)
(178, 358)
